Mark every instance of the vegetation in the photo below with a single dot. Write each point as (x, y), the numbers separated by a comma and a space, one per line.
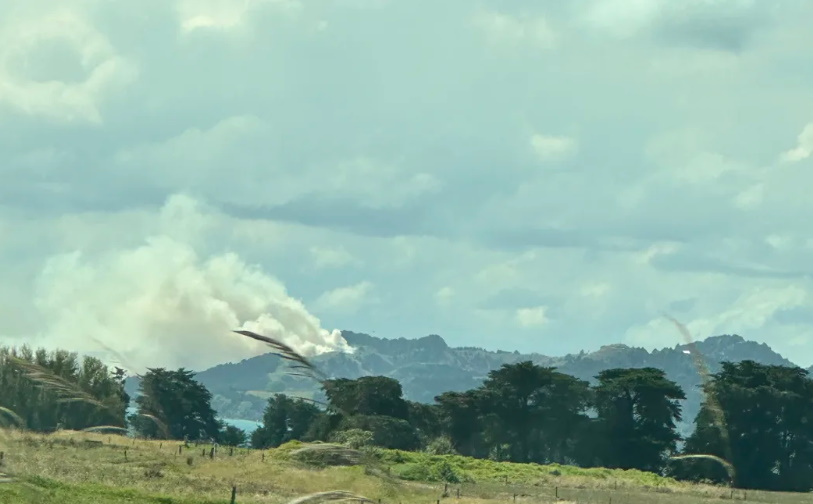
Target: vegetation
(172, 405)
(753, 431)
(51, 390)
(88, 468)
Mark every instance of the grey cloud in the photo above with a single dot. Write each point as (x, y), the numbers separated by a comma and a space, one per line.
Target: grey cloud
(701, 262)
(792, 316)
(511, 299)
(725, 26)
(341, 214)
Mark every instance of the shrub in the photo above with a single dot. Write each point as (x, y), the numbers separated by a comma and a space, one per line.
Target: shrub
(354, 438)
(441, 446)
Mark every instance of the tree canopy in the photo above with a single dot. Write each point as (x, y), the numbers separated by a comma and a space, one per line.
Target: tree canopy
(173, 405)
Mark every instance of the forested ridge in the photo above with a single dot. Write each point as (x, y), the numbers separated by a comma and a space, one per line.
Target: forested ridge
(754, 428)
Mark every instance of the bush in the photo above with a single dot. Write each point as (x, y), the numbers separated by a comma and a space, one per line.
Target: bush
(354, 438)
(388, 432)
(441, 446)
(324, 455)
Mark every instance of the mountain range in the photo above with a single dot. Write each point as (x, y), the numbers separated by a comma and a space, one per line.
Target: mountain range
(427, 366)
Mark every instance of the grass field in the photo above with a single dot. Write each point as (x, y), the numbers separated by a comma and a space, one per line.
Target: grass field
(83, 468)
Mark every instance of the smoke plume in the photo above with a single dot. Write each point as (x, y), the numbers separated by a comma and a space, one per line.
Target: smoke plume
(161, 304)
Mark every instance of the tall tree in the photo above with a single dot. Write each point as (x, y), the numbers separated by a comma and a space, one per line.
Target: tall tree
(368, 395)
(460, 417)
(284, 419)
(757, 417)
(533, 410)
(637, 412)
(172, 404)
(57, 389)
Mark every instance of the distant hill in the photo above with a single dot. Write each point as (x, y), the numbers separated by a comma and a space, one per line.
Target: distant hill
(427, 366)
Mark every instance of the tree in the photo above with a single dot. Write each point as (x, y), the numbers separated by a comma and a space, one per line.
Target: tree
(49, 390)
(368, 395)
(284, 419)
(534, 411)
(233, 436)
(757, 417)
(387, 431)
(460, 419)
(172, 404)
(637, 412)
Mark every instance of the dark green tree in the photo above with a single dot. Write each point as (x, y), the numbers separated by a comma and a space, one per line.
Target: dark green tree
(285, 419)
(172, 404)
(533, 411)
(368, 395)
(426, 419)
(233, 436)
(637, 412)
(460, 417)
(57, 389)
(757, 417)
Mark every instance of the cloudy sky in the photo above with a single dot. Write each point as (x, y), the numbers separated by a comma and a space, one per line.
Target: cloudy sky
(521, 174)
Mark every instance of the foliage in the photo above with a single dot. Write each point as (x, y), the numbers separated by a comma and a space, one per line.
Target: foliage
(368, 395)
(757, 417)
(233, 436)
(50, 390)
(173, 405)
(284, 419)
(441, 445)
(637, 411)
(354, 438)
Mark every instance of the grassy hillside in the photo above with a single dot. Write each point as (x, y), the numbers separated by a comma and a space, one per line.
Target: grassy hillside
(81, 468)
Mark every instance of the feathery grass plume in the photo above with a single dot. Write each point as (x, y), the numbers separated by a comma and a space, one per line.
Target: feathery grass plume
(162, 426)
(8, 413)
(106, 428)
(333, 495)
(158, 422)
(286, 352)
(118, 356)
(66, 391)
(723, 462)
(712, 403)
(328, 454)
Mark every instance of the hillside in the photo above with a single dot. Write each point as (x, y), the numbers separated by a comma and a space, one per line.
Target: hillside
(427, 366)
(82, 468)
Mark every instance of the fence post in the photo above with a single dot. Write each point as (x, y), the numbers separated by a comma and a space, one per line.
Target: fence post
(233, 494)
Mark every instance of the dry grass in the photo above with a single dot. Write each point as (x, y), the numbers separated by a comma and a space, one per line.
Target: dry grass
(85, 467)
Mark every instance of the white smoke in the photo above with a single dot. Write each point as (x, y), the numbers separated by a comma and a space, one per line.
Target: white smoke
(161, 304)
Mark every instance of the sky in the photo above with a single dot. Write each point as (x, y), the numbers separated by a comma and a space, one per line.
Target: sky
(531, 175)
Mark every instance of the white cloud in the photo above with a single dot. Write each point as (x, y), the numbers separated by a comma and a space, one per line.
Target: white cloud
(226, 15)
(444, 296)
(348, 299)
(502, 28)
(803, 148)
(332, 257)
(59, 67)
(532, 317)
(552, 148)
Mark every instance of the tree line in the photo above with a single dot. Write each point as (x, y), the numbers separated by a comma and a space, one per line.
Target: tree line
(754, 428)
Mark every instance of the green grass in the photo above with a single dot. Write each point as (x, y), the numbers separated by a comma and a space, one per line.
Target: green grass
(82, 468)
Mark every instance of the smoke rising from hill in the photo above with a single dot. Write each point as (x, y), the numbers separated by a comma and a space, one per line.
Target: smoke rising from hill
(161, 304)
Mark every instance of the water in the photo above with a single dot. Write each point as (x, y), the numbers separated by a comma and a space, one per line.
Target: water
(247, 425)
